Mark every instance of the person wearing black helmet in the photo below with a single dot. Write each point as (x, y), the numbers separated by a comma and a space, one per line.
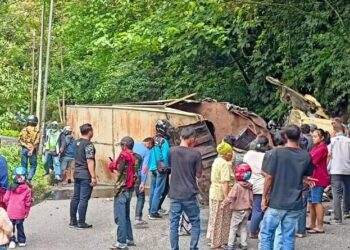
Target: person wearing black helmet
(159, 166)
(29, 139)
(124, 170)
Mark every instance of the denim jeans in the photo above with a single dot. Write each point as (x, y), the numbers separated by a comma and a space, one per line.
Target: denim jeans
(158, 185)
(3, 247)
(341, 192)
(140, 202)
(191, 209)
(21, 237)
(165, 192)
(301, 223)
(56, 163)
(33, 160)
(80, 199)
(257, 214)
(122, 217)
(272, 219)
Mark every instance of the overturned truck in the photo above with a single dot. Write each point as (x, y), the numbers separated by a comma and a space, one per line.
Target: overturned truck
(212, 121)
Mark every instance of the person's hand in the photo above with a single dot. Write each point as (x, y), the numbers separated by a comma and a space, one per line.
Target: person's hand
(264, 204)
(311, 182)
(142, 188)
(224, 204)
(93, 182)
(145, 170)
(30, 152)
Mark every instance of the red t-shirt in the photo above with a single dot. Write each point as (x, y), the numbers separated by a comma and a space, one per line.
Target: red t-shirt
(319, 154)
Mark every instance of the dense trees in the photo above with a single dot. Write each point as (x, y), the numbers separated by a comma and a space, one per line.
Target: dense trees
(110, 51)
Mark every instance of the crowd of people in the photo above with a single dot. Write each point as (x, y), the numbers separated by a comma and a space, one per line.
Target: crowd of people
(266, 195)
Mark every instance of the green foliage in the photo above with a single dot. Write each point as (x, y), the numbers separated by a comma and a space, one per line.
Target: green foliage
(13, 158)
(121, 51)
(8, 132)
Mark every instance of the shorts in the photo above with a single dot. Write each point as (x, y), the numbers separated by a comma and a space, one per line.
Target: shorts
(315, 195)
(66, 162)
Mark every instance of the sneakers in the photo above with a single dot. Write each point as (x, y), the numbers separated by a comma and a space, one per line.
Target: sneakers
(73, 224)
(84, 226)
(154, 216)
(346, 215)
(243, 247)
(163, 211)
(22, 244)
(12, 245)
(130, 243)
(119, 246)
(227, 247)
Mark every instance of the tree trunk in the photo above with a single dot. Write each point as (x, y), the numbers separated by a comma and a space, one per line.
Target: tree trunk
(40, 71)
(33, 77)
(47, 65)
(59, 109)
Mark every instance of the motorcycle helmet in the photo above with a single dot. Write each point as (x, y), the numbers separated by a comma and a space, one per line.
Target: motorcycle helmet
(19, 175)
(164, 127)
(243, 172)
(32, 120)
(271, 124)
(67, 130)
(127, 141)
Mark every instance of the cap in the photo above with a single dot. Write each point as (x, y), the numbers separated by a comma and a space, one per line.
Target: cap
(54, 123)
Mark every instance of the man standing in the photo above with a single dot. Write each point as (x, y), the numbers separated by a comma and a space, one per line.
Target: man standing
(124, 170)
(84, 177)
(143, 150)
(67, 156)
(285, 170)
(159, 166)
(29, 140)
(186, 168)
(339, 169)
(54, 146)
(306, 142)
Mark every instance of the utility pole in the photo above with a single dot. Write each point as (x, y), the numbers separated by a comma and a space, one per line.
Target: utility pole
(33, 77)
(40, 71)
(47, 65)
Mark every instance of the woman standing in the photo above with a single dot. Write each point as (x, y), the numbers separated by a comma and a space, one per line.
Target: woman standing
(319, 155)
(254, 158)
(221, 176)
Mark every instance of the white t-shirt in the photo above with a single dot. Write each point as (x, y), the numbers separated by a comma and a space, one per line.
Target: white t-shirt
(255, 159)
(339, 149)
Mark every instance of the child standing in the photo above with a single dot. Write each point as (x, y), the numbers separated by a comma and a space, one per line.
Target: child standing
(18, 198)
(240, 200)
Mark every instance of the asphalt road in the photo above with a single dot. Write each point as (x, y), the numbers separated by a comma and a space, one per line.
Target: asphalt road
(47, 228)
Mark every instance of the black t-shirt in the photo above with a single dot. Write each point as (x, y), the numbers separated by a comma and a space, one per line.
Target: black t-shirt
(287, 166)
(84, 149)
(184, 164)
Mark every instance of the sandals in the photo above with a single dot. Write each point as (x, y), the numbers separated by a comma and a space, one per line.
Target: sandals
(315, 231)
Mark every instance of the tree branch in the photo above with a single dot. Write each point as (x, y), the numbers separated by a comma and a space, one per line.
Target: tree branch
(241, 68)
(336, 12)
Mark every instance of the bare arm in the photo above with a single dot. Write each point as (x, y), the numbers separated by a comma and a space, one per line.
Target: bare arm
(225, 188)
(267, 187)
(91, 167)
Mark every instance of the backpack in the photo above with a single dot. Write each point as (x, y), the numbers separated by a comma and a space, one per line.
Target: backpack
(127, 178)
(304, 143)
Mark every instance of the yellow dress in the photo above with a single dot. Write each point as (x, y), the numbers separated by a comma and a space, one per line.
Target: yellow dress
(219, 219)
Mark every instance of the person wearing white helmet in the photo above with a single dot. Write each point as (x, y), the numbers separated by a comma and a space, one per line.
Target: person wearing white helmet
(67, 155)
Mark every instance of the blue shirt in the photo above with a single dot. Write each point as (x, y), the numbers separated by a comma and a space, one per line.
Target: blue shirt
(144, 152)
(159, 153)
(3, 173)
